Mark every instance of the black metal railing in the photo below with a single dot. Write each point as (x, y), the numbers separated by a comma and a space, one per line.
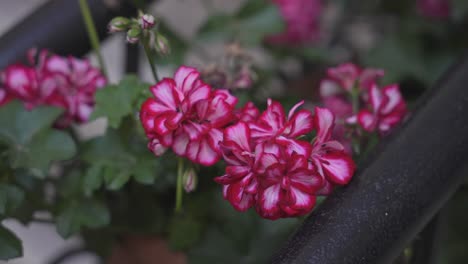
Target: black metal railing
(390, 200)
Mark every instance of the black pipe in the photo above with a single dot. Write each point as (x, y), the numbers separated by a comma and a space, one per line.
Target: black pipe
(58, 26)
(400, 190)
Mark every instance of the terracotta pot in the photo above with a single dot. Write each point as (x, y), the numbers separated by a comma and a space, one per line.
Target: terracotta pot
(144, 250)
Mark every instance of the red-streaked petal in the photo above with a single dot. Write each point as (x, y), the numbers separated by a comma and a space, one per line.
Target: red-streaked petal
(181, 141)
(200, 93)
(346, 74)
(338, 167)
(323, 121)
(300, 124)
(329, 88)
(392, 93)
(267, 205)
(239, 134)
(207, 155)
(294, 108)
(375, 98)
(165, 94)
(181, 74)
(300, 200)
(306, 180)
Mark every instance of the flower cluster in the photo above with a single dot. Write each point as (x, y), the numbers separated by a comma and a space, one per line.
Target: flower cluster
(187, 116)
(269, 165)
(438, 9)
(354, 96)
(270, 168)
(64, 82)
(302, 21)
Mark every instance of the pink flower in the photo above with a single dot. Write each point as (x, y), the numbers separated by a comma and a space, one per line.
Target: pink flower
(345, 77)
(273, 125)
(186, 115)
(387, 109)
(288, 187)
(240, 182)
(68, 83)
(328, 155)
(438, 9)
(146, 21)
(302, 21)
(249, 113)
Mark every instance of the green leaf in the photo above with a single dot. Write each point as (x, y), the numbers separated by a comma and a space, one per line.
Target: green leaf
(20, 125)
(146, 171)
(115, 178)
(31, 140)
(253, 29)
(92, 180)
(10, 246)
(10, 198)
(107, 150)
(78, 214)
(118, 101)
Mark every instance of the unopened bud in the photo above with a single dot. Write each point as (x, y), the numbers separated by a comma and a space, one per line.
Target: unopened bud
(146, 21)
(161, 45)
(118, 24)
(133, 35)
(156, 147)
(190, 180)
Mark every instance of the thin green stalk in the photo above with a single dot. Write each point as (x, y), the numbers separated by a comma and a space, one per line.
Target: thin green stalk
(149, 56)
(92, 34)
(179, 187)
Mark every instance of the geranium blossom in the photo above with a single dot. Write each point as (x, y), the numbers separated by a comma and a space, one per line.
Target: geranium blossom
(271, 169)
(65, 82)
(187, 116)
(328, 155)
(386, 109)
(5, 96)
(302, 21)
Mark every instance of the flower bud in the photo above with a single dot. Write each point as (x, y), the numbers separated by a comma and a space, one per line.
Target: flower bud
(133, 35)
(161, 45)
(118, 24)
(190, 180)
(146, 21)
(156, 147)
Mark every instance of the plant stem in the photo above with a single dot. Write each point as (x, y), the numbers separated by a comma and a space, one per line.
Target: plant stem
(180, 170)
(150, 59)
(92, 34)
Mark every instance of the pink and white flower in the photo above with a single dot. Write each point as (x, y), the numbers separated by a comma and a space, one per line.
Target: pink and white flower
(273, 125)
(302, 18)
(387, 109)
(327, 155)
(186, 115)
(65, 82)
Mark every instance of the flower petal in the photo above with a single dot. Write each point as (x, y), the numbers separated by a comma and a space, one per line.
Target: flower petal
(323, 121)
(338, 167)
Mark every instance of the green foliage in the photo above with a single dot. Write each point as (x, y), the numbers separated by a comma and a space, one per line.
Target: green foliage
(117, 101)
(10, 198)
(178, 47)
(10, 246)
(31, 141)
(76, 214)
(255, 20)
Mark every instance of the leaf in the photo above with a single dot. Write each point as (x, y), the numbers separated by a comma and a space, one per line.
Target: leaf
(146, 170)
(10, 246)
(107, 150)
(31, 141)
(92, 180)
(20, 125)
(83, 213)
(118, 101)
(115, 178)
(10, 198)
(265, 22)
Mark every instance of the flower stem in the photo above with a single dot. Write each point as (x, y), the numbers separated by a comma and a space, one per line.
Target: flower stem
(150, 59)
(92, 34)
(180, 171)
